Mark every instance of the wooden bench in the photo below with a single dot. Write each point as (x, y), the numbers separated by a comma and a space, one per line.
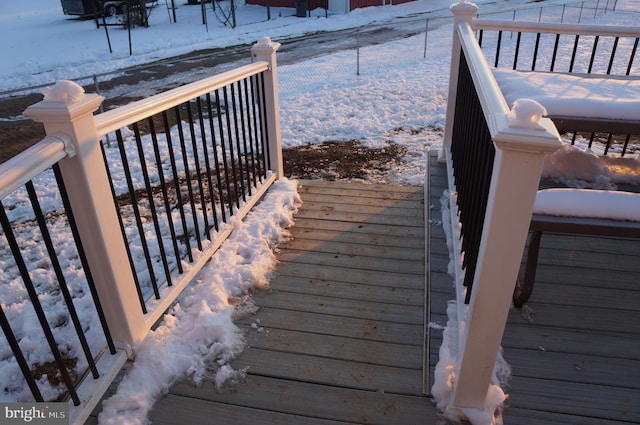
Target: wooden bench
(625, 224)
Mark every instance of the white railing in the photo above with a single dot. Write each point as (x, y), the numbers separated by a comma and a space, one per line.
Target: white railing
(73, 143)
(520, 142)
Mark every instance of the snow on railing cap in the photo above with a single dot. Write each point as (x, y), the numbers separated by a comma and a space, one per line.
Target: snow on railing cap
(264, 41)
(63, 91)
(526, 113)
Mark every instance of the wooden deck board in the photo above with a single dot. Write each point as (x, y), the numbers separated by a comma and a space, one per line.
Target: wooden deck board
(307, 401)
(338, 338)
(339, 335)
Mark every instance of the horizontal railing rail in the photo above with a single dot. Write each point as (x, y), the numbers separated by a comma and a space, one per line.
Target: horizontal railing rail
(179, 166)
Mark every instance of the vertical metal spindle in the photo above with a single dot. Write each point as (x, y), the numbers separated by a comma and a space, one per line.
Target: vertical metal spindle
(555, 53)
(122, 230)
(187, 174)
(250, 130)
(517, 52)
(165, 195)
(232, 157)
(632, 56)
(225, 161)
(535, 52)
(198, 171)
(593, 53)
(243, 130)
(178, 187)
(255, 106)
(498, 43)
(19, 356)
(83, 258)
(613, 54)
(136, 214)
(216, 160)
(62, 281)
(575, 50)
(626, 143)
(152, 205)
(35, 302)
(235, 102)
(608, 145)
(207, 165)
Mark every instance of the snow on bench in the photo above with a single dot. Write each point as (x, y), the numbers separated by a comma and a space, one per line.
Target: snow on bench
(574, 95)
(577, 211)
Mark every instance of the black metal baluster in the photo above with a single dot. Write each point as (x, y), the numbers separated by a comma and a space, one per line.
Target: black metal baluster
(517, 52)
(136, 213)
(575, 50)
(216, 160)
(593, 53)
(606, 148)
(19, 356)
(555, 53)
(614, 48)
(152, 205)
(178, 186)
(498, 43)
(62, 281)
(198, 171)
(245, 152)
(187, 172)
(255, 106)
(122, 230)
(224, 154)
(232, 159)
(250, 132)
(632, 56)
(626, 143)
(535, 52)
(165, 195)
(207, 164)
(35, 302)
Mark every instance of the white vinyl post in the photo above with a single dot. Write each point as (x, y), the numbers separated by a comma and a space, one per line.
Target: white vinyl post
(67, 110)
(463, 12)
(514, 184)
(265, 50)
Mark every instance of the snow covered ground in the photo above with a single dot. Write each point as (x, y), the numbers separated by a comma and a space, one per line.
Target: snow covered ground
(399, 97)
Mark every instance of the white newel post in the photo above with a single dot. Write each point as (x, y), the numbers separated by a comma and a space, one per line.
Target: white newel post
(520, 149)
(463, 12)
(265, 50)
(67, 110)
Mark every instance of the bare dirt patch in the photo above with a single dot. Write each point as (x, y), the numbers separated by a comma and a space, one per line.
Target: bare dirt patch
(335, 160)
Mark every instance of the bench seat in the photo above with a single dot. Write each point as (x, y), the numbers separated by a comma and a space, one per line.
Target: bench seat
(559, 211)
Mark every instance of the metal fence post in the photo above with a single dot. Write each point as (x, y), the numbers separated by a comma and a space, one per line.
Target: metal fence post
(265, 50)
(67, 110)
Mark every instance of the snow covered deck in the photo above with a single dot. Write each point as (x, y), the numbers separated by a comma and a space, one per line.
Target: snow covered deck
(338, 337)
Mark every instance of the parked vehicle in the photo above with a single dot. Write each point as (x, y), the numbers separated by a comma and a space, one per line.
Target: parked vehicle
(98, 7)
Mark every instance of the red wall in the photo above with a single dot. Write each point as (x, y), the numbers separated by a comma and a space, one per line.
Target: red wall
(313, 4)
(355, 4)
